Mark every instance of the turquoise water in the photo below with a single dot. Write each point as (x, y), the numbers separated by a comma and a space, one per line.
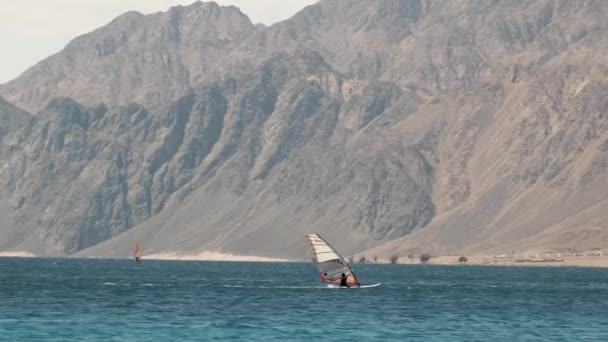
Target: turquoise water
(113, 300)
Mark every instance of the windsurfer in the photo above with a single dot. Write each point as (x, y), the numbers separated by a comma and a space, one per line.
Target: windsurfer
(343, 281)
(328, 260)
(137, 253)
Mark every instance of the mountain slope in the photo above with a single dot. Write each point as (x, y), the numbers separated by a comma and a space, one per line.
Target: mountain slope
(536, 178)
(398, 125)
(223, 158)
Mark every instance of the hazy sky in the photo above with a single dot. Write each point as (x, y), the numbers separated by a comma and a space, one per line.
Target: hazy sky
(31, 30)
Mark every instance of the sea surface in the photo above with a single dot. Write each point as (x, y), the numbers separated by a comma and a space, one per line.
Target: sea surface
(118, 300)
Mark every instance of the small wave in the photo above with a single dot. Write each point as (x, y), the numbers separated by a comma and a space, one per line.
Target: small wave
(108, 283)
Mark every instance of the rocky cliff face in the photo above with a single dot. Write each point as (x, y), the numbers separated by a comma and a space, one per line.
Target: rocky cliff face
(443, 126)
(11, 118)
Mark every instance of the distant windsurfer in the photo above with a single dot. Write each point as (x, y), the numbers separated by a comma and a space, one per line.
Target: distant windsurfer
(324, 277)
(137, 253)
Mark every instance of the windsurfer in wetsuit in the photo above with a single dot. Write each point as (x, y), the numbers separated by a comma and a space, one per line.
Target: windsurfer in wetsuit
(343, 282)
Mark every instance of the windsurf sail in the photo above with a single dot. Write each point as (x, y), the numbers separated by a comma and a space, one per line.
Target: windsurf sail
(137, 253)
(330, 263)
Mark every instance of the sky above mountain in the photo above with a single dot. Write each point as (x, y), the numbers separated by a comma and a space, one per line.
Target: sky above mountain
(34, 29)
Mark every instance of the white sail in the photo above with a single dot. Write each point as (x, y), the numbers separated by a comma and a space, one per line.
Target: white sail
(330, 263)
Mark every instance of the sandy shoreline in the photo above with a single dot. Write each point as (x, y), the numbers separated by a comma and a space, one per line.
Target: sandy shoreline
(554, 261)
(210, 256)
(204, 256)
(576, 261)
(17, 255)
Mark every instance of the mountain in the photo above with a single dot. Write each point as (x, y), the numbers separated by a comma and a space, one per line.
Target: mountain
(388, 126)
(151, 59)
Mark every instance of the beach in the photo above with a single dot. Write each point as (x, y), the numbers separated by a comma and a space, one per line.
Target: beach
(210, 256)
(550, 261)
(17, 255)
(590, 259)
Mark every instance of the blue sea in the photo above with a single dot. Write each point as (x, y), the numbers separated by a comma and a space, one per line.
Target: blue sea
(118, 300)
